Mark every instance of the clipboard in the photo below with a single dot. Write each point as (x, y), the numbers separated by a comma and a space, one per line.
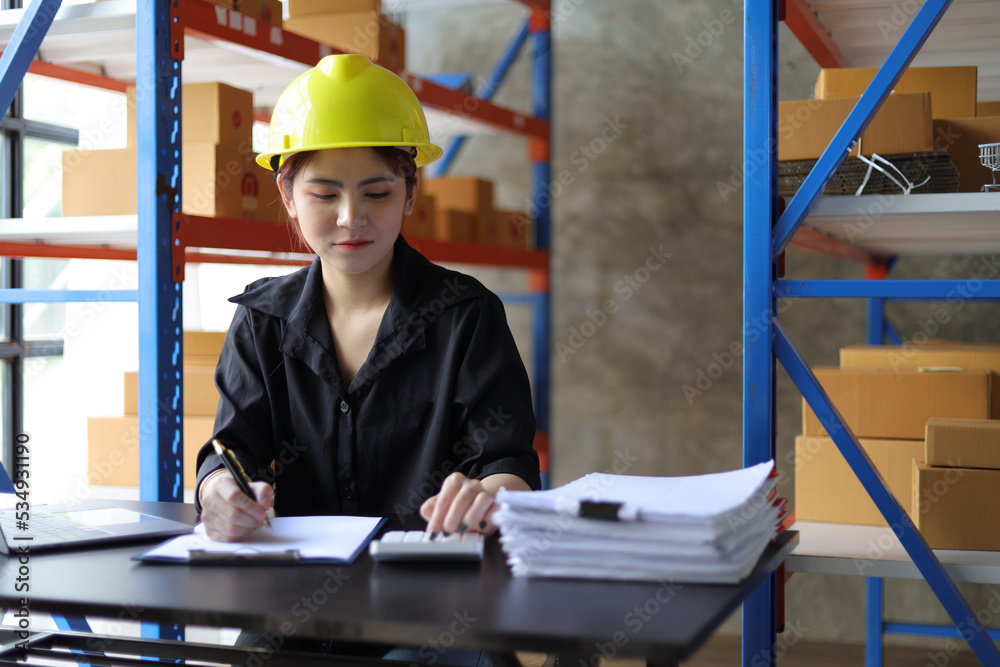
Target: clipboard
(321, 540)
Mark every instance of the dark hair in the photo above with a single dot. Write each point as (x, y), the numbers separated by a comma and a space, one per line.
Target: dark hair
(399, 160)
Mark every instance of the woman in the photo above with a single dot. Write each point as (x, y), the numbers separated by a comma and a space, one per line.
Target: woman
(372, 382)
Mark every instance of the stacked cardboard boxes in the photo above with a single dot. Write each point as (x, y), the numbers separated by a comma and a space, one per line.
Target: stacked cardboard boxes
(352, 26)
(113, 449)
(960, 121)
(922, 414)
(902, 125)
(952, 89)
(220, 178)
(514, 229)
(464, 211)
(420, 222)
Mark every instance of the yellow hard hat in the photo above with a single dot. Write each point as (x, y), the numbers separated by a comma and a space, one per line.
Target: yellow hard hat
(345, 101)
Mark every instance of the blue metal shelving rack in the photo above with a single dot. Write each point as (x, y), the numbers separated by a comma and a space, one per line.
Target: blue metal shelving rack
(766, 235)
(159, 54)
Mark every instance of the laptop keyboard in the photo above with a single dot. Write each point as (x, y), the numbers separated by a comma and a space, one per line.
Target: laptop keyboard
(45, 528)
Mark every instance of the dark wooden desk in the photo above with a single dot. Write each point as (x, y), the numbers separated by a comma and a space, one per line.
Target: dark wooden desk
(473, 606)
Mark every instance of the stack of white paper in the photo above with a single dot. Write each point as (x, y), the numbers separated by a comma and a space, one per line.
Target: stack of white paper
(704, 528)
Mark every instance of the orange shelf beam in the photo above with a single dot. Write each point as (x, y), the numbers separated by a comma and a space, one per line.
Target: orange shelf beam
(195, 234)
(51, 251)
(542, 5)
(215, 23)
(477, 253)
(805, 25)
(810, 240)
(73, 75)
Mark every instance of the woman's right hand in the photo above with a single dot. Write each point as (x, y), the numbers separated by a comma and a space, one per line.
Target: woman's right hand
(229, 514)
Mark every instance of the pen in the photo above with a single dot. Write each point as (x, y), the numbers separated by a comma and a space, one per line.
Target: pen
(236, 470)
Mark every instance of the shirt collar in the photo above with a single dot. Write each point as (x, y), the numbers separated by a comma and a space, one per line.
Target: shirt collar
(424, 292)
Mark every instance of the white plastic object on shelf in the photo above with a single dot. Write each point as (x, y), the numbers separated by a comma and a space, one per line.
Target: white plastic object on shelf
(989, 155)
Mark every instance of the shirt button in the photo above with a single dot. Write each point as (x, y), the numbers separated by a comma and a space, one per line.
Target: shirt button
(344, 407)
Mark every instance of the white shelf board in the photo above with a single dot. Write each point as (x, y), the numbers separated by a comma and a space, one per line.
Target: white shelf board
(954, 223)
(99, 37)
(968, 34)
(118, 231)
(875, 551)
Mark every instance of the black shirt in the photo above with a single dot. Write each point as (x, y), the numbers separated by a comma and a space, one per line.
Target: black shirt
(442, 390)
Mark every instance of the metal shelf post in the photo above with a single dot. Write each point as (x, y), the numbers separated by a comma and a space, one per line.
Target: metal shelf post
(762, 246)
(539, 26)
(760, 202)
(161, 403)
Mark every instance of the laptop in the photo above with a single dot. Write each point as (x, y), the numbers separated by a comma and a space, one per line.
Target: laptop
(64, 526)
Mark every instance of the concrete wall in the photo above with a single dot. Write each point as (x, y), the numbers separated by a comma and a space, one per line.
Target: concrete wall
(647, 250)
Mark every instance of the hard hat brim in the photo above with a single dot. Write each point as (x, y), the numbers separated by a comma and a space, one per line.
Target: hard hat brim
(426, 153)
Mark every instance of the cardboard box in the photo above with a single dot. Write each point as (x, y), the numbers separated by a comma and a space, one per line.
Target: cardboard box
(911, 357)
(902, 125)
(201, 398)
(988, 108)
(420, 222)
(269, 11)
(202, 348)
(216, 113)
(369, 33)
(961, 138)
(270, 208)
(212, 113)
(113, 449)
(514, 229)
(460, 193)
(458, 226)
(133, 139)
(953, 89)
(827, 490)
(99, 182)
(466, 195)
(220, 180)
(952, 507)
(313, 7)
(963, 443)
(880, 403)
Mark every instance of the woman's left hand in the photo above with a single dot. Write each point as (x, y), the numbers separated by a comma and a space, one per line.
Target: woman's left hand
(463, 505)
